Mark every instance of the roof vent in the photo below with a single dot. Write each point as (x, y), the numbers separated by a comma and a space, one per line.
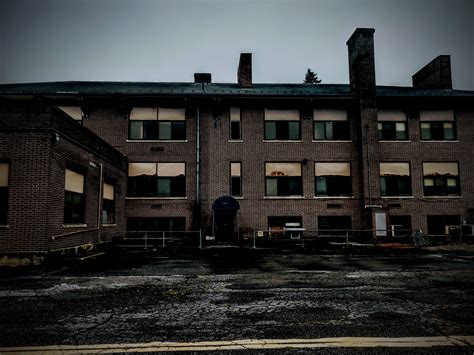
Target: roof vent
(202, 78)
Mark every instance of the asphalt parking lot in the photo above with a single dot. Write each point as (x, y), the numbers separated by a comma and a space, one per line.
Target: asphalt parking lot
(229, 294)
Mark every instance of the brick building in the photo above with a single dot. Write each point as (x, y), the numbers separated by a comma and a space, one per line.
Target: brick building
(321, 157)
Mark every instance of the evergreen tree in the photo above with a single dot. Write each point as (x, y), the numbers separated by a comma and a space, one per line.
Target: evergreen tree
(311, 77)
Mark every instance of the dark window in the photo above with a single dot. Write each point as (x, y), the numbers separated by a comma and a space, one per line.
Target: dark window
(283, 179)
(400, 225)
(282, 130)
(155, 224)
(332, 130)
(235, 128)
(157, 180)
(441, 179)
(333, 225)
(108, 204)
(276, 225)
(154, 130)
(235, 179)
(73, 197)
(333, 179)
(443, 225)
(395, 186)
(392, 131)
(4, 176)
(438, 131)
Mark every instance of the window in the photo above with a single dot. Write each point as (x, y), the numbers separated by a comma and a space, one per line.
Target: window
(333, 179)
(283, 179)
(282, 125)
(73, 197)
(156, 180)
(276, 225)
(4, 175)
(236, 179)
(334, 225)
(235, 128)
(74, 112)
(156, 224)
(441, 179)
(400, 225)
(437, 125)
(331, 125)
(395, 179)
(148, 123)
(392, 125)
(443, 225)
(108, 204)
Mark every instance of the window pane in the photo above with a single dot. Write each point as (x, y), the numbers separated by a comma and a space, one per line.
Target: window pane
(295, 186)
(74, 182)
(150, 130)
(425, 130)
(164, 187)
(171, 114)
(235, 186)
(282, 169)
(4, 174)
(383, 186)
(341, 130)
(404, 186)
(178, 130)
(437, 131)
(108, 192)
(400, 128)
(319, 129)
(321, 186)
(293, 130)
(235, 130)
(448, 130)
(270, 130)
(329, 131)
(3, 205)
(136, 130)
(164, 130)
(272, 186)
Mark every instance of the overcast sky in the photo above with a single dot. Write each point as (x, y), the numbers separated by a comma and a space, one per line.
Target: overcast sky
(169, 40)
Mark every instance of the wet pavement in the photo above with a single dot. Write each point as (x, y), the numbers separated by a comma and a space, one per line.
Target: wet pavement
(230, 294)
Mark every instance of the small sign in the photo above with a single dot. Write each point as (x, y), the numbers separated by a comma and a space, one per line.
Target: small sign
(260, 234)
(210, 237)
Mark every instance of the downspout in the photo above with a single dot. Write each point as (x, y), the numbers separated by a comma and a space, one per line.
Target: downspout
(198, 160)
(99, 200)
(369, 179)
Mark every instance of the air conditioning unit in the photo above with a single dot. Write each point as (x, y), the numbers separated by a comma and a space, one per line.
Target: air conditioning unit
(452, 230)
(467, 229)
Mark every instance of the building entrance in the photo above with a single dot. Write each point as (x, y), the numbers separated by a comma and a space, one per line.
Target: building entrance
(224, 219)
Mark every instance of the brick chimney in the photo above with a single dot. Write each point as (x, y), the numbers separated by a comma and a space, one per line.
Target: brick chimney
(244, 74)
(362, 62)
(434, 75)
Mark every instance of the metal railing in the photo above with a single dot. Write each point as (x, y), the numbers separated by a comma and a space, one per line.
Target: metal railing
(156, 239)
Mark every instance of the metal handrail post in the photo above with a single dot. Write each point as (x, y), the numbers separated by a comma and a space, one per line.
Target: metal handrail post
(347, 237)
(200, 239)
(164, 239)
(254, 239)
(146, 240)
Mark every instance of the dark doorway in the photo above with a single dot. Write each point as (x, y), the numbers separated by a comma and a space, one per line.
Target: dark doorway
(224, 211)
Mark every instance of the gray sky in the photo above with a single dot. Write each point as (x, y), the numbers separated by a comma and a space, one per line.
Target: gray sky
(169, 40)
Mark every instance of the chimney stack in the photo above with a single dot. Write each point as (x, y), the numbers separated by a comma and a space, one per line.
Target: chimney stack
(362, 62)
(202, 78)
(244, 74)
(434, 75)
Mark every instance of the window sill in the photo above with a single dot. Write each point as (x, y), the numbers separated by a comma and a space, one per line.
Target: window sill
(157, 141)
(443, 141)
(282, 141)
(156, 198)
(333, 197)
(284, 197)
(395, 141)
(397, 197)
(237, 197)
(4, 226)
(107, 225)
(441, 197)
(235, 140)
(75, 225)
(330, 141)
